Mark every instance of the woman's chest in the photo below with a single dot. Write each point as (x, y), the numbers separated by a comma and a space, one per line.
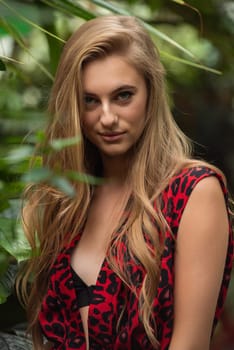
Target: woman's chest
(113, 312)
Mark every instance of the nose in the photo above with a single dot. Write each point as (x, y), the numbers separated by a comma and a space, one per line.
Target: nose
(108, 117)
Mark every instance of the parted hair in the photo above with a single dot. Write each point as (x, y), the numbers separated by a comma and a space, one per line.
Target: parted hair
(49, 215)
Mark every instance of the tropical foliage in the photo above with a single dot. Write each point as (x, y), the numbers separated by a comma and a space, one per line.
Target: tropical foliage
(194, 40)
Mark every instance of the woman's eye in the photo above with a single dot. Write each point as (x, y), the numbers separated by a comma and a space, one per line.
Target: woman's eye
(124, 96)
(90, 101)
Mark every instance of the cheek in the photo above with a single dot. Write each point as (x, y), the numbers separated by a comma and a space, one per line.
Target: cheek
(86, 129)
(140, 105)
(138, 114)
(88, 122)
(139, 118)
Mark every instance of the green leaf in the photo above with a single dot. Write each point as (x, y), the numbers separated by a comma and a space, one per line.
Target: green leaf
(10, 29)
(70, 8)
(19, 154)
(12, 239)
(12, 10)
(180, 2)
(166, 38)
(39, 136)
(10, 59)
(4, 261)
(16, 35)
(37, 175)
(110, 7)
(7, 282)
(59, 144)
(63, 185)
(31, 23)
(76, 176)
(2, 66)
(190, 63)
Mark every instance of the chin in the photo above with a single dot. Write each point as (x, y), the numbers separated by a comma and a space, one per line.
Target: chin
(115, 153)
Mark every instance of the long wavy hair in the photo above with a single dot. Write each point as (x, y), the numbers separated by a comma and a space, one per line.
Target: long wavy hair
(162, 150)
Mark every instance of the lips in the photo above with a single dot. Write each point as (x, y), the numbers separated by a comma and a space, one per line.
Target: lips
(112, 133)
(112, 136)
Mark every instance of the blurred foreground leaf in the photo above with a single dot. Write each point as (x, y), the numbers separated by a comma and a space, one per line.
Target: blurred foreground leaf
(2, 66)
(7, 282)
(12, 239)
(59, 144)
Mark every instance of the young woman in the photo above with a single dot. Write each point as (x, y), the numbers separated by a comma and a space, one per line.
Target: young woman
(141, 260)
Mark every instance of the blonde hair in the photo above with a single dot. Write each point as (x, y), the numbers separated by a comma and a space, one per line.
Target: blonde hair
(162, 150)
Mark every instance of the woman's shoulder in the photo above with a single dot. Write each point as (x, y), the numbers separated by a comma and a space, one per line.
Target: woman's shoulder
(185, 180)
(181, 185)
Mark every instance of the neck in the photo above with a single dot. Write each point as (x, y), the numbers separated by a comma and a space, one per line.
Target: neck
(115, 169)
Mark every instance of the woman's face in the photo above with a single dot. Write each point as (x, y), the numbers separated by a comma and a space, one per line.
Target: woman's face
(115, 98)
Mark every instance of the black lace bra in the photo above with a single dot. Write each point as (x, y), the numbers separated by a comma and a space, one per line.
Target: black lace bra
(84, 292)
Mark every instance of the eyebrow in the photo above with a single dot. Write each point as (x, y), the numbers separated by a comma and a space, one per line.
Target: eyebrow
(115, 91)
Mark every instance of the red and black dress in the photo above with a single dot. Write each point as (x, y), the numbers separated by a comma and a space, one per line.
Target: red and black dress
(60, 318)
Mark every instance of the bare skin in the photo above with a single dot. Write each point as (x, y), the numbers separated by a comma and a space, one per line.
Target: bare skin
(90, 253)
(200, 258)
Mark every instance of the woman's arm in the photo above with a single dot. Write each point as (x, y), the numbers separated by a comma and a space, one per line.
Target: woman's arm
(199, 264)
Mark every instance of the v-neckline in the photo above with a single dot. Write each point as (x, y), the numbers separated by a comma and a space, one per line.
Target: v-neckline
(94, 287)
(77, 238)
(74, 242)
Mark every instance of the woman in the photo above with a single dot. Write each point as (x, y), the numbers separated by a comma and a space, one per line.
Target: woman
(141, 260)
